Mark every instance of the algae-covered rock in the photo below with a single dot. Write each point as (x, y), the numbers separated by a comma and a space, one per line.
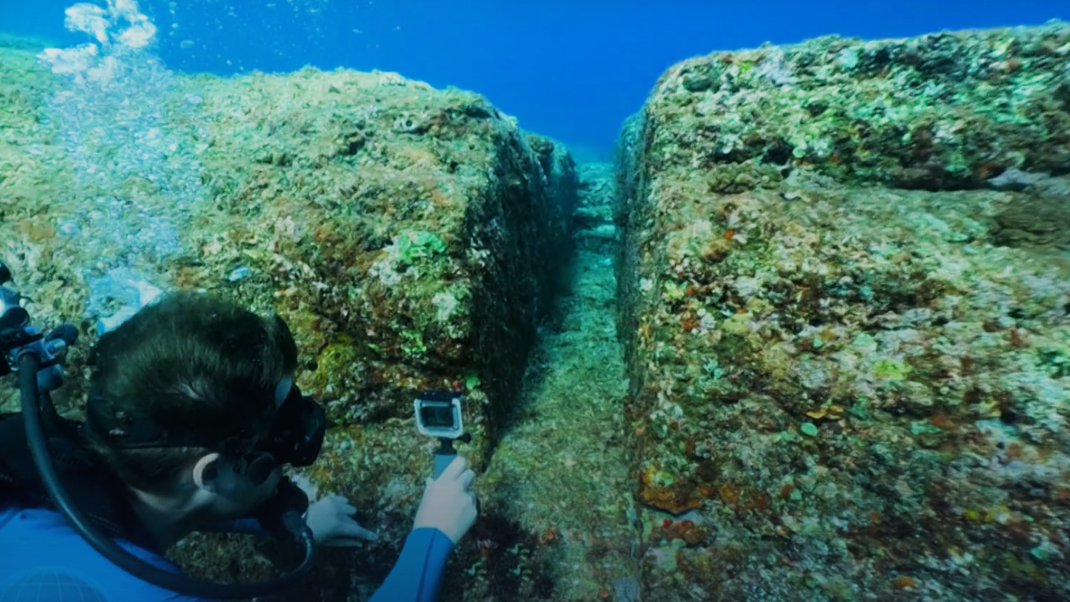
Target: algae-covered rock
(411, 238)
(400, 230)
(942, 111)
(858, 392)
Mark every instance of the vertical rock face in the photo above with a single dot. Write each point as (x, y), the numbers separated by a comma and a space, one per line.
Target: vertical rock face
(844, 291)
(410, 237)
(425, 223)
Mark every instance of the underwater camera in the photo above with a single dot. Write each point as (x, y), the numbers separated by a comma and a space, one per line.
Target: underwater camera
(438, 414)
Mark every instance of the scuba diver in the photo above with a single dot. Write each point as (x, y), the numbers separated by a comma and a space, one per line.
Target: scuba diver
(191, 414)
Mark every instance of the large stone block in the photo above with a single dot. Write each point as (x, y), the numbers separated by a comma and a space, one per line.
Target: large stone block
(410, 237)
(846, 333)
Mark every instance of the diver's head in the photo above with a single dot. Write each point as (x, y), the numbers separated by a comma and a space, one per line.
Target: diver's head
(185, 398)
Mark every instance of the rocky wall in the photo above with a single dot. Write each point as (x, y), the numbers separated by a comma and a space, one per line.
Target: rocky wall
(845, 289)
(411, 238)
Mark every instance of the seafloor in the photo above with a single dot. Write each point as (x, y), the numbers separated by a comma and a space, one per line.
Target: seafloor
(807, 339)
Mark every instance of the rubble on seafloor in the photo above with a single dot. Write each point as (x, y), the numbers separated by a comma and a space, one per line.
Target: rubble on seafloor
(838, 273)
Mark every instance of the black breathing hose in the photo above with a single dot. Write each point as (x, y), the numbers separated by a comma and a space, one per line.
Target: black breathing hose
(28, 366)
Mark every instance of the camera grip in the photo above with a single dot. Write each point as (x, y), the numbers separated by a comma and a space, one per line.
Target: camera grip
(442, 461)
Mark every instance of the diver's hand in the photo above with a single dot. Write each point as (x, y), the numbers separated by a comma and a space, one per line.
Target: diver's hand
(449, 504)
(330, 519)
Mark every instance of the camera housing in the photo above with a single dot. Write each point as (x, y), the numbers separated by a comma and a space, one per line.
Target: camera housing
(438, 414)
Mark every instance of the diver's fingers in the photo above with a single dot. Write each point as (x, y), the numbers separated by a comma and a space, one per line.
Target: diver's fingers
(353, 530)
(466, 479)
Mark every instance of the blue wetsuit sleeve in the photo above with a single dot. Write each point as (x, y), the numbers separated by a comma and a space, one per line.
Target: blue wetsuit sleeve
(417, 575)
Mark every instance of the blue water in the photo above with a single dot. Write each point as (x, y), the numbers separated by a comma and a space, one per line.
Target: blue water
(569, 69)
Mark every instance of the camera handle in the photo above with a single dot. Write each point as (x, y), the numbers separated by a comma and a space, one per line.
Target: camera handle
(445, 453)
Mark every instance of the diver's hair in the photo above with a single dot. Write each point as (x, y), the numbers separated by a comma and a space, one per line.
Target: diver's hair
(195, 364)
